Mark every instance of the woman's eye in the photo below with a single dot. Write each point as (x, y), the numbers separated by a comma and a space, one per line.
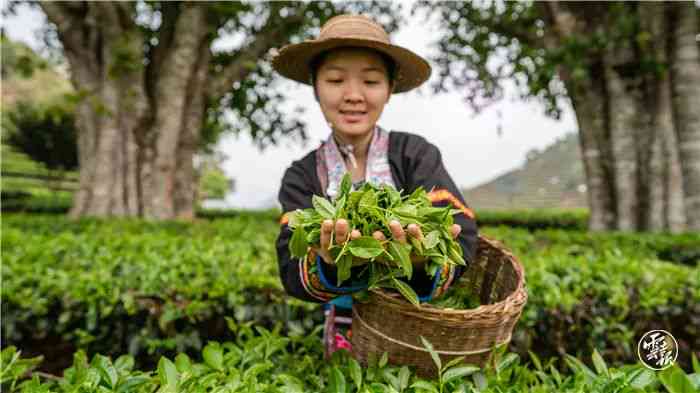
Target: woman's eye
(335, 81)
(371, 82)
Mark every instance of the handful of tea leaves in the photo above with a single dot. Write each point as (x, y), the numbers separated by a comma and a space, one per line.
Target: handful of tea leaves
(370, 209)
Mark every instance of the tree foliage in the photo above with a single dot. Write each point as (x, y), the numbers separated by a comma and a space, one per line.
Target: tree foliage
(46, 133)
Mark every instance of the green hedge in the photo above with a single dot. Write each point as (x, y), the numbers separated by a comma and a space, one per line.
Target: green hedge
(144, 288)
(592, 290)
(535, 219)
(135, 286)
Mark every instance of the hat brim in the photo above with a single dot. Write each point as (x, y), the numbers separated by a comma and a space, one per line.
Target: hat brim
(294, 61)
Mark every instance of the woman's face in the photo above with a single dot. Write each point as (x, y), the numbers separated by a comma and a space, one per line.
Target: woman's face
(352, 85)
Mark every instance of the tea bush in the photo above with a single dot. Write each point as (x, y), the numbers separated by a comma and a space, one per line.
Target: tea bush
(149, 289)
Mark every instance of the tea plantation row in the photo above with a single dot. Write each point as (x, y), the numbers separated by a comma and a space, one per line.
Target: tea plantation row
(264, 361)
(152, 289)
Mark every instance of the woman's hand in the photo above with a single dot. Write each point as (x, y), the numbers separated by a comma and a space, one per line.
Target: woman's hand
(341, 228)
(398, 233)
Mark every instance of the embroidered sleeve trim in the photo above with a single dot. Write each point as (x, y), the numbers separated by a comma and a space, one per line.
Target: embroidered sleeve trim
(311, 280)
(444, 195)
(447, 275)
(284, 219)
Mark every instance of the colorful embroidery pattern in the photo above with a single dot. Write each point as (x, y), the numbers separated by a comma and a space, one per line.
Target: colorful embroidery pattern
(284, 219)
(310, 280)
(377, 172)
(447, 275)
(444, 195)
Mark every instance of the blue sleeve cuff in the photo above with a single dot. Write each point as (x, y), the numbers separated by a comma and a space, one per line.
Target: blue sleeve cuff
(343, 289)
(429, 297)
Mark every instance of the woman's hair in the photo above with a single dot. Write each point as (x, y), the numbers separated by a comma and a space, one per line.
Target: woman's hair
(316, 62)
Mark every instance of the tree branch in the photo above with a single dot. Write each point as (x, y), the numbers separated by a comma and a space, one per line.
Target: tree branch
(247, 57)
(69, 21)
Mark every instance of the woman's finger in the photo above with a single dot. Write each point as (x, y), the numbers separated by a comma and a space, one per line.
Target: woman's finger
(456, 229)
(355, 234)
(397, 231)
(379, 236)
(414, 231)
(341, 231)
(326, 229)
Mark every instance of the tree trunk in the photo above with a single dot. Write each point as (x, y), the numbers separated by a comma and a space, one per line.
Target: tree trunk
(586, 98)
(639, 129)
(135, 148)
(139, 118)
(111, 103)
(685, 84)
(664, 188)
(622, 112)
(185, 176)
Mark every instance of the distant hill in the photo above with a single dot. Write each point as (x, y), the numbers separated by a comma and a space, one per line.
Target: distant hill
(28, 77)
(551, 178)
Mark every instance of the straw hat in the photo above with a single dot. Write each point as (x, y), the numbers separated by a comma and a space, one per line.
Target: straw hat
(294, 61)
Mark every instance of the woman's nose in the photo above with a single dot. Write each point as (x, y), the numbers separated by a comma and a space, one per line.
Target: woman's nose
(353, 93)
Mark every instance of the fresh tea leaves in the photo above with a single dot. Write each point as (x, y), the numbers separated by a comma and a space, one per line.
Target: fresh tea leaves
(371, 209)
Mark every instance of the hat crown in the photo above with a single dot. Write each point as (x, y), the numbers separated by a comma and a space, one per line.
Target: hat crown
(353, 26)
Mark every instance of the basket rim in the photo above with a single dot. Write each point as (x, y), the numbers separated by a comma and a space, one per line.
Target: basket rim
(514, 301)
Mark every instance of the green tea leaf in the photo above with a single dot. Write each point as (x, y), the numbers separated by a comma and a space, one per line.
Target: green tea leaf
(424, 385)
(417, 245)
(323, 207)
(433, 354)
(297, 244)
(404, 377)
(337, 381)
(418, 194)
(675, 380)
(431, 239)
(167, 372)
(313, 237)
(368, 201)
(406, 291)
(344, 265)
(213, 356)
(458, 372)
(383, 360)
(455, 253)
(507, 361)
(389, 376)
(183, 363)
(480, 381)
(402, 255)
(339, 207)
(599, 364)
(106, 369)
(641, 378)
(345, 185)
(407, 211)
(355, 372)
(454, 362)
(131, 383)
(365, 247)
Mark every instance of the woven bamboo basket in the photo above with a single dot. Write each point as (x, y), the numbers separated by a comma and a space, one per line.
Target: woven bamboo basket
(388, 323)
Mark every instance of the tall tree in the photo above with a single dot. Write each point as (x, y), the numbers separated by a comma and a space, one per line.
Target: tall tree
(152, 85)
(632, 74)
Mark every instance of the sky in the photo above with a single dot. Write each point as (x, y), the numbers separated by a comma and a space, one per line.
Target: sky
(473, 150)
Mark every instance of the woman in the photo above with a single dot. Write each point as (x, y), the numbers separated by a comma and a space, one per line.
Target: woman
(354, 69)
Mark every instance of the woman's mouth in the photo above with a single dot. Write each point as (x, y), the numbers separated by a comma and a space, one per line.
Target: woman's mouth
(353, 116)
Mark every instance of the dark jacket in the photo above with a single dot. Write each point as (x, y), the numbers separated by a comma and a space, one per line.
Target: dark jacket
(414, 162)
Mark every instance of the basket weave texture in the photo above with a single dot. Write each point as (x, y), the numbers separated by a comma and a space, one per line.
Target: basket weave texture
(388, 323)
